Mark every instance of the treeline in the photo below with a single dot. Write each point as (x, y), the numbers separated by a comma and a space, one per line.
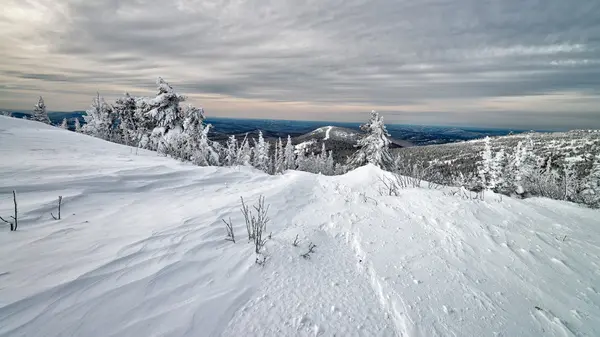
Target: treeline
(164, 124)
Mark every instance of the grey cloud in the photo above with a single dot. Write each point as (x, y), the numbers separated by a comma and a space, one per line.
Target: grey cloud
(379, 52)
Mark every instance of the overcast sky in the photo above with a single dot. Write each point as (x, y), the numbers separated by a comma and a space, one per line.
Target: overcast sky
(504, 63)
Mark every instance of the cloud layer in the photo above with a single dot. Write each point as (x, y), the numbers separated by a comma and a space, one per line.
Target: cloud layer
(532, 63)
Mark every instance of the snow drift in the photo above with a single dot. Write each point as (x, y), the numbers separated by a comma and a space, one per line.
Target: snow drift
(141, 251)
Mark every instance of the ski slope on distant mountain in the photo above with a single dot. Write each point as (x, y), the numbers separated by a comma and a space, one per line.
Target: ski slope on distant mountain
(140, 251)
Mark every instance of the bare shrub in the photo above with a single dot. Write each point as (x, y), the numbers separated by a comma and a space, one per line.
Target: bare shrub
(256, 224)
(15, 218)
(229, 229)
(311, 249)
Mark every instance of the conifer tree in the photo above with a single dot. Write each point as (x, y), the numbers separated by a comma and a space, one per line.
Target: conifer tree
(289, 160)
(39, 112)
(374, 147)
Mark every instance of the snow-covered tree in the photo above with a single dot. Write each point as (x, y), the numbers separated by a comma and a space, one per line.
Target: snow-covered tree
(193, 138)
(374, 147)
(77, 125)
(260, 157)
(167, 115)
(205, 155)
(244, 155)
(289, 157)
(98, 119)
(231, 152)
(39, 112)
(521, 166)
(491, 169)
(591, 185)
(278, 161)
(329, 168)
(124, 109)
(64, 124)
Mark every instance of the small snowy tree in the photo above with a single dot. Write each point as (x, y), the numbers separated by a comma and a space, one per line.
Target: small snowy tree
(521, 166)
(205, 155)
(244, 155)
(167, 116)
(124, 109)
(64, 124)
(329, 164)
(231, 152)
(77, 125)
(278, 162)
(289, 160)
(39, 112)
(374, 147)
(98, 119)
(261, 159)
(591, 185)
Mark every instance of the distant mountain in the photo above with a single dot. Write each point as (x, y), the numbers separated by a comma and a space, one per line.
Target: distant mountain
(417, 135)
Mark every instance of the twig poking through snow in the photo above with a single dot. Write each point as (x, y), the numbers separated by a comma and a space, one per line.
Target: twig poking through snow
(295, 244)
(15, 223)
(311, 249)
(59, 204)
(229, 229)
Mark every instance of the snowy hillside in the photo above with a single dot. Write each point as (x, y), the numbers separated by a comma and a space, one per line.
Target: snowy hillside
(141, 251)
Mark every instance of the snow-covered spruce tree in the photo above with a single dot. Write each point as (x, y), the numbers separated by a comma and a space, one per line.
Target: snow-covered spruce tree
(64, 124)
(591, 185)
(39, 112)
(77, 125)
(261, 159)
(124, 109)
(329, 164)
(167, 116)
(289, 157)
(98, 119)
(374, 147)
(485, 167)
(278, 162)
(206, 154)
(521, 166)
(244, 155)
(195, 143)
(231, 152)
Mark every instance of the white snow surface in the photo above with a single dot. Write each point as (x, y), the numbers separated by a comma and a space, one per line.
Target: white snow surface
(140, 251)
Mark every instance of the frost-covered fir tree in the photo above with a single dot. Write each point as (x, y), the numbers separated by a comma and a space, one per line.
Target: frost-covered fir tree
(64, 124)
(167, 115)
(193, 139)
(98, 119)
(261, 159)
(124, 109)
(591, 185)
(77, 125)
(231, 152)
(39, 112)
(491, 167)
(329, 164)
(205, 154)
(374, 147)
(521, 166)
(278, 161)
(244, 155)
(289, 157)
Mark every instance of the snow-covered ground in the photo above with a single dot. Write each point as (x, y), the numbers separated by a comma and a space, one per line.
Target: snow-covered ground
(140, 251)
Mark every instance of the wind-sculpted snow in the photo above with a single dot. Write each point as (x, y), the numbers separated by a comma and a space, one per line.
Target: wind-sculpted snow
(141, 251)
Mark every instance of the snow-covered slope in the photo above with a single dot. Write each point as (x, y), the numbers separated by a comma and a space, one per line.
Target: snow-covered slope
(140, 251)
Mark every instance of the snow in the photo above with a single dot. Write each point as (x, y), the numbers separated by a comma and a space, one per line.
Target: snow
(327, 132)
(141, 251)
